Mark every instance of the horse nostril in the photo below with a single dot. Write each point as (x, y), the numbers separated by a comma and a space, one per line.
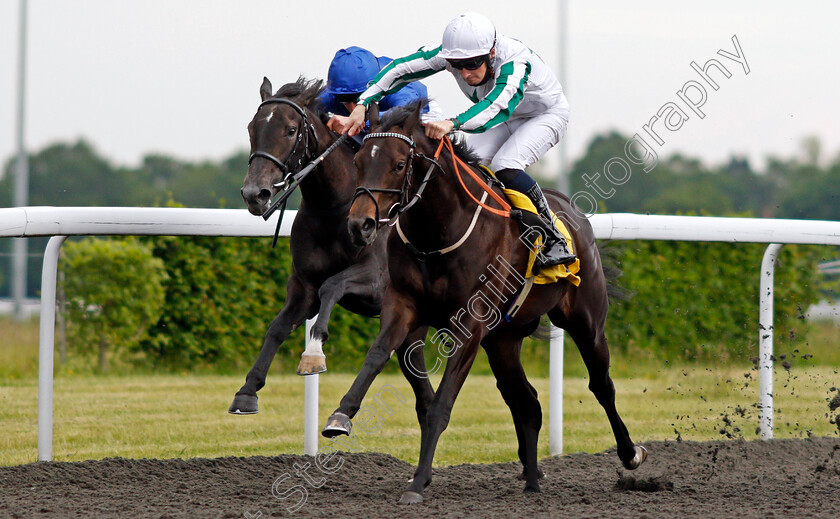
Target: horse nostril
(368, 225)
(264, 196)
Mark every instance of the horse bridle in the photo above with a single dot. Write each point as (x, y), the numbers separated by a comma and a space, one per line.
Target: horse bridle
(403, 204)
(289, 167)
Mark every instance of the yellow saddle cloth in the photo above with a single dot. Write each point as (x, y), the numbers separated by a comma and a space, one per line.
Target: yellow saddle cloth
(547, 274)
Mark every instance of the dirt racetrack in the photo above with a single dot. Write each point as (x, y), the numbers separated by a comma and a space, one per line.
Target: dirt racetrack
(778, 478)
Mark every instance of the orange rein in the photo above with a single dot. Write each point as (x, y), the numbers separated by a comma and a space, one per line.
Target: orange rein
(504, 212)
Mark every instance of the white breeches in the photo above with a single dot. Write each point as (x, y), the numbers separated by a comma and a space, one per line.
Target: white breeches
(519, 142)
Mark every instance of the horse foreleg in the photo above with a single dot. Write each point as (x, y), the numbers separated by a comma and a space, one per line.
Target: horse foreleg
(359, 279)
(299, 306)
(437, 419)
(394, 328)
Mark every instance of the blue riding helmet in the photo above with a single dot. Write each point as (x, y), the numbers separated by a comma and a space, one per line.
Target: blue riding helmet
(350, 71)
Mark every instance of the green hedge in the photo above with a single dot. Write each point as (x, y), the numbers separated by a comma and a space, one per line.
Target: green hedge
(691, 300)
(700, 300)
(221, 296)
(114, 292)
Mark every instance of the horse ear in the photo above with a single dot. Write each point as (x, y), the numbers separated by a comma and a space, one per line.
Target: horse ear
(265, 89)
(373, 115)
(414, 119)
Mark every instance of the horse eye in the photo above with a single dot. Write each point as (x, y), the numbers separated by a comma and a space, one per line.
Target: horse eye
(292, 130)
(400, 165)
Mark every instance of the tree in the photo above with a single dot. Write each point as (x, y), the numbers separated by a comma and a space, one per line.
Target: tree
(816, 195)
(588, 174)
(114, 290)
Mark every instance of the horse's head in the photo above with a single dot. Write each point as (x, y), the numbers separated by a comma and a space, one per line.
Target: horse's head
(384, 167)
(282, 139)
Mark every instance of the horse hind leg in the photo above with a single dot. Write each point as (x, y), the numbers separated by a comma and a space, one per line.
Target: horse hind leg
(521, 397)
(592, 345)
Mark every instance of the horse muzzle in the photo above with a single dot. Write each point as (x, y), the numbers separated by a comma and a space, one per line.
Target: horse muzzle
(256, 199)
(362, 230)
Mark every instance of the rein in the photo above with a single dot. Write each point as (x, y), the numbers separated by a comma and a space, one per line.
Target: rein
(504, 211)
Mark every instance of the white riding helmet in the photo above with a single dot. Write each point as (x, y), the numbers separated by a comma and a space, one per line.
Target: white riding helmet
(467, 36)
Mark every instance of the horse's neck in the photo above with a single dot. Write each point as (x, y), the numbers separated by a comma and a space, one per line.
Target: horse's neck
(331, 185)
(445, 212)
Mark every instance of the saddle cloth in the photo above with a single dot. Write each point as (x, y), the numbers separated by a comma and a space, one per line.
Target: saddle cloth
(547, 274)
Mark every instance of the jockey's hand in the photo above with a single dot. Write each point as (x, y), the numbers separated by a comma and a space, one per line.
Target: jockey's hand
(437, 129)
(337, 123)
(351, 125)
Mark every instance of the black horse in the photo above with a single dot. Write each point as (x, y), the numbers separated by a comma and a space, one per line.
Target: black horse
(327, 268)
(457, 269)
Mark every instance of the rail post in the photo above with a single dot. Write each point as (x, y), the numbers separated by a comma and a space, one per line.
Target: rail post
(555, 391)
(310, 404)
(765, 341)
(46, 348)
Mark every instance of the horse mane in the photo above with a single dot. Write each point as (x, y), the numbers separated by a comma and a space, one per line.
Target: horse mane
(400, 114)
(305, 89)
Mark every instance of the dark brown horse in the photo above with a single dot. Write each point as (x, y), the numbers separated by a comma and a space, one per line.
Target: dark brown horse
(327, 268)
(464, 291)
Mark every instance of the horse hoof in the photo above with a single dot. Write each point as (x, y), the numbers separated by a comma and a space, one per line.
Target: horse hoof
(532, 490)
(411, 498)
(337, 424)
(638, 459)
(244, 404)
(540, 475)
(312, 364)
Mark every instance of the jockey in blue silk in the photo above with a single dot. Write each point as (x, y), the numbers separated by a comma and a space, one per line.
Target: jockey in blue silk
(350, 72)
(519, 109)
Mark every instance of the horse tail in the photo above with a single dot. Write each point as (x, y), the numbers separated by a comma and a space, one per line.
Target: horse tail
(611, 265)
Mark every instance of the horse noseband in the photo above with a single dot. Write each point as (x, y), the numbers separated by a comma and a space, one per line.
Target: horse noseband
(282, 167)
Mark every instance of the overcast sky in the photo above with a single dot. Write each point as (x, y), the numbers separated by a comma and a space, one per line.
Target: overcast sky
(182, 77)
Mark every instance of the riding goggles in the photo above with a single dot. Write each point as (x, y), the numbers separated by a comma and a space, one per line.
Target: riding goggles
(468, 63)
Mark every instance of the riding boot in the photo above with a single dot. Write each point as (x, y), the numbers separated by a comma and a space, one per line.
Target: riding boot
(556, 250)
